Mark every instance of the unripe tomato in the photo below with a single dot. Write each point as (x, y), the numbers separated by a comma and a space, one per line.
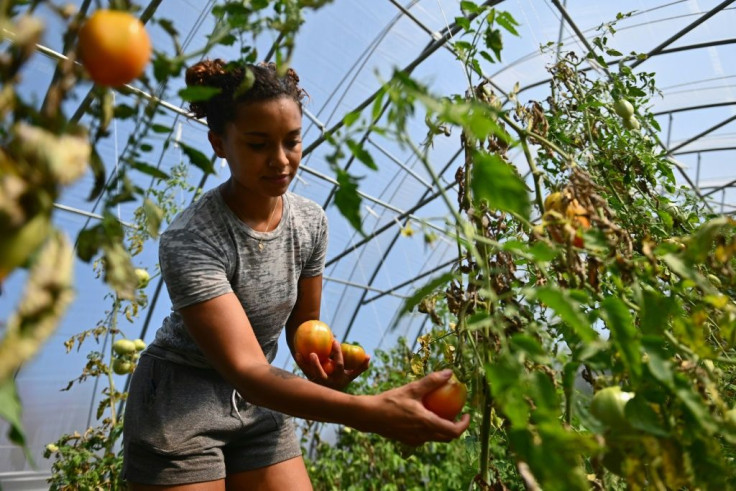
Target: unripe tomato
(632, 123)
(114, 47)
(608, 406)
(140, 345)
(448, 400)
(353, 355)
(313, 337)
(623, 108)
(143, 277)
(124, 347)
(122, 366)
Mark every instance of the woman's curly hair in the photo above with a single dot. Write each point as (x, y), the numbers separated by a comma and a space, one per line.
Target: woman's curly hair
(238, 83)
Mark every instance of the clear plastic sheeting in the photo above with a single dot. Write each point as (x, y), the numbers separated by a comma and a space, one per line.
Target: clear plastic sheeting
(343, 53)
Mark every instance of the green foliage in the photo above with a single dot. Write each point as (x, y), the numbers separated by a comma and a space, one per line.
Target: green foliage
(87, 461)
(351, 460)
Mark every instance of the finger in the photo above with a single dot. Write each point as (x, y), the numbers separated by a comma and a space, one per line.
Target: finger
(316, 367)
(454, 429)
(360, 369)
(336, 355)
(432, 381)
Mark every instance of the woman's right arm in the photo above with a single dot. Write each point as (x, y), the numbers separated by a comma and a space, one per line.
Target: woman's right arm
(223, 332)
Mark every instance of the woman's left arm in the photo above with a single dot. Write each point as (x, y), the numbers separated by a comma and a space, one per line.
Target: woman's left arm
(307, 307)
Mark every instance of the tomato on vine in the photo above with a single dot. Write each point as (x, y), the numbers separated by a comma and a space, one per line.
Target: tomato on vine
(114, 47)
(608, 406)
(448, 400)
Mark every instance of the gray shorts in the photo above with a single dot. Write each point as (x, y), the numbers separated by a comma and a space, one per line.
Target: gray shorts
(184, 424)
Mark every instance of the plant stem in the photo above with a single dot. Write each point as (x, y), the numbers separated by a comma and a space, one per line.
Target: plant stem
(485, 432)
(535, 171)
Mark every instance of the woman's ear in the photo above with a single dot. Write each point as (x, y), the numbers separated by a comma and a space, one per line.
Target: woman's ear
(217, 144)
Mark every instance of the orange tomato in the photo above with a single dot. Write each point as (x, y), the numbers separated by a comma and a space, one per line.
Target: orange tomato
(114, 47)
(353, 355)
(314, 336)
(448, 400)
(328, 366)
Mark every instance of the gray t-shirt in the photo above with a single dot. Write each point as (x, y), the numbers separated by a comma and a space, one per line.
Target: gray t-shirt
(207, 251)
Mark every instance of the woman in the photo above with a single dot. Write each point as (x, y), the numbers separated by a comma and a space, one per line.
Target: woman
(206, 409)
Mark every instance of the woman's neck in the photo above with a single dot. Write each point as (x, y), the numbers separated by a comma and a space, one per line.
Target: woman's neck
(259, 213)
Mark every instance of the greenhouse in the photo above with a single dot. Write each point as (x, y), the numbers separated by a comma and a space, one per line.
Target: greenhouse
(536, 196)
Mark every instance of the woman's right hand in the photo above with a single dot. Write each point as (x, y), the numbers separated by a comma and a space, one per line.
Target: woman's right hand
(400, 415)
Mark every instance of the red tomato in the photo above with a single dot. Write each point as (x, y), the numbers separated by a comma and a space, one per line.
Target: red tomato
(114, 47)
(448, 400)
(314, 337)
(353, 355)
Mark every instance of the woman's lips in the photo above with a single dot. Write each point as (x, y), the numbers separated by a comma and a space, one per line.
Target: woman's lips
(281, 179)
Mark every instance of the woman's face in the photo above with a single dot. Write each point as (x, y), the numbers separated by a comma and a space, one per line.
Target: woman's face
(262, 145)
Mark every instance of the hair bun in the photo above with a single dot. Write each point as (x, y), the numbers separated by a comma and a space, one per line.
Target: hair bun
(203, 72)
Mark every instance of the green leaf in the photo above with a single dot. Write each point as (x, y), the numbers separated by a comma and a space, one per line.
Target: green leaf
(469, 7)
(507, 21)
(350, 118)
(347, 198)
(98, 171)
(160, 128)
(425, 290)
(88, 242)
(362, 154)
(498, 183)
(154, 217)
(568, 310)
(641, 416)
(530, 346)
(11, 411)
(198, 93)
(150, 170)
(655, 312)
(623, 332)
(198, 158)
(543, 252)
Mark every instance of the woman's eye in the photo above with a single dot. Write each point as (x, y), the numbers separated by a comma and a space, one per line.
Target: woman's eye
(293, 143)
(257, 146)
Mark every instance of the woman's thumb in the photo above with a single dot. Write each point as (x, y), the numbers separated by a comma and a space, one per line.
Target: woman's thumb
(434, 380)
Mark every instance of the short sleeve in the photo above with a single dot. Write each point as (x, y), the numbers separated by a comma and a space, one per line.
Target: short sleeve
(193, 268)
(316, 263)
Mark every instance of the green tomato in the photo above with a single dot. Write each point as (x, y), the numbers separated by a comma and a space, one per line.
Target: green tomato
(122, 366)
(143, 277)
(124, 347)
(608, 406)
(140, 345)
(632, 123)
(623, 108)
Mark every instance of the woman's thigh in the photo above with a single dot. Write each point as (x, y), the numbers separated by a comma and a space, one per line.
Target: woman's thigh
(290, 474)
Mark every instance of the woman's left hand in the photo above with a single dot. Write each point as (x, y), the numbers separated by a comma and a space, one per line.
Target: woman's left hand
(332, 373)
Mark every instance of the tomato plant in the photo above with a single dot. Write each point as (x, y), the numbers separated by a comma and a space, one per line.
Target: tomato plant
(353, 355)
(314, 336)
(114, 47)
(448, 400)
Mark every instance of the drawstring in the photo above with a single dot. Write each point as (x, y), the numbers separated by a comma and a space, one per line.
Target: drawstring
(234, 401)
